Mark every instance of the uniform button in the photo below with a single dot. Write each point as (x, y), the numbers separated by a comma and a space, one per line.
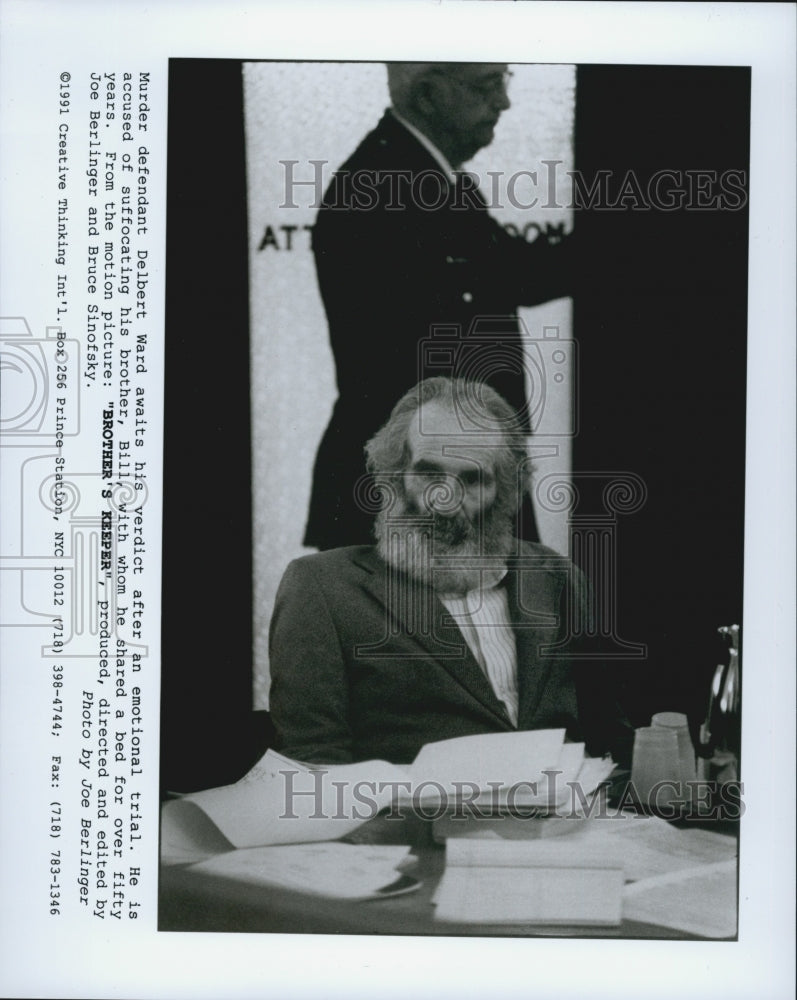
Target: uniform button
(467, 297)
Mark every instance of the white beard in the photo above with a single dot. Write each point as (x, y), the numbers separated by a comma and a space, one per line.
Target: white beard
(452, 555)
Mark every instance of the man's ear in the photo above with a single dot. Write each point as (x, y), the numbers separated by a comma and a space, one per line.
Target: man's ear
(428, 96)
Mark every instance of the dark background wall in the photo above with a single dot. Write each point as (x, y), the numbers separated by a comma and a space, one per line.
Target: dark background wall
(661, 322)
(208, 733)
(661, 319)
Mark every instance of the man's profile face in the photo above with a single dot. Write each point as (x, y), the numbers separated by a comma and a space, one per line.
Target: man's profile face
(468, 101)
(448, 475)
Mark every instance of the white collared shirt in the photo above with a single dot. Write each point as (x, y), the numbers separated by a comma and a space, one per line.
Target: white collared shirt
(482, 616)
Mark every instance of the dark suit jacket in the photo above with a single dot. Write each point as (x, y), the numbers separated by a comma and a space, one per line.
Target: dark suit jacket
(366, 666)
(397, 250)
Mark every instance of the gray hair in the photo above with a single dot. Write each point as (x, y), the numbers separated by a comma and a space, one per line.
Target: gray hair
(388, 454)
(403, 78)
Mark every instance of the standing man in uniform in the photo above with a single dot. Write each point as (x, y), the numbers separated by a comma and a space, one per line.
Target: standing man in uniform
(403, 244)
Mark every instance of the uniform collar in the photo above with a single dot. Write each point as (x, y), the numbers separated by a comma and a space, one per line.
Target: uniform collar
(428, 145)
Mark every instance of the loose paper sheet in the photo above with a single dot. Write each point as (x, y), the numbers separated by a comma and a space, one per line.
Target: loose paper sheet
(698, 901)
(343, 871)
(643, 846)
(281, 801)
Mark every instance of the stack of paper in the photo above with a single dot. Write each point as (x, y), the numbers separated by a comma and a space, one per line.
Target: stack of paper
(282, 801)
(523, 761)
(572, 871)
(565, 789)
(481, 775)
(509, 882)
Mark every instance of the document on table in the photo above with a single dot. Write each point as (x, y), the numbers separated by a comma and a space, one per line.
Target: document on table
(679, 878)
(339, 871)
(283, 801)
(513, 770)
(566, 791)
(643, 846)
(489, 760)
(701, 901)
(280, 801)
(650, 846)
(530, 895)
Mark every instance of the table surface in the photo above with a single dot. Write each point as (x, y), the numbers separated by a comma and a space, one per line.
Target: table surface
(195, 901)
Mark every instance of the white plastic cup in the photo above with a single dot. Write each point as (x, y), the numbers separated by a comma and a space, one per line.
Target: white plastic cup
(677, 722)
(656, 760)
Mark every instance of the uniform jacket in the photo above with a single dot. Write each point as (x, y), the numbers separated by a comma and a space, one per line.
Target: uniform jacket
(366, 665)
(399, 250)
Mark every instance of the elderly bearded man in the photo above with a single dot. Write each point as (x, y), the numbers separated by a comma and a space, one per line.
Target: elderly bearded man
(448, 626)
(403, 242)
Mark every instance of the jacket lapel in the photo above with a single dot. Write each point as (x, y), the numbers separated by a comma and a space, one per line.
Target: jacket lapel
(465, 670)
(534, 606)
(417, 616)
